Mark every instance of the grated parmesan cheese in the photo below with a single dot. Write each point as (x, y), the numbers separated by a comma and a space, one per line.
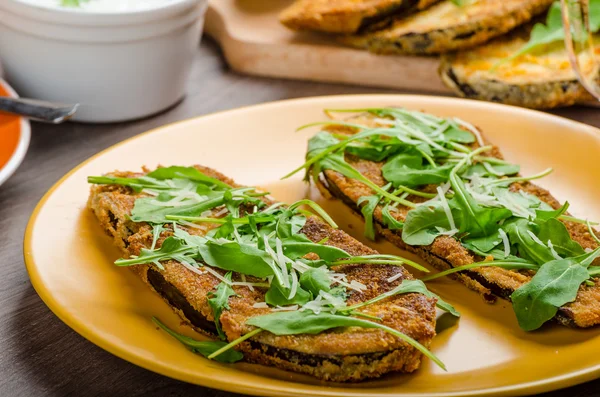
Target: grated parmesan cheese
(535, 238)
(446, 208)
(554, 253)
(217, 275)
(472, 129)
(394, 277)
(223, 211)
(192, 268)
(285, 308)
(505, 242)
(294, 286)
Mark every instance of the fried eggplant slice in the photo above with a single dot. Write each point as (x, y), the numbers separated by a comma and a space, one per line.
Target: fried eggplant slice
(447, 27)
(540, 79)
(345, 16)
(447, 252)
(346, 354)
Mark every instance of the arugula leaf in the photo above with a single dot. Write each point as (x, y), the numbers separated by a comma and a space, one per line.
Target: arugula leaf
(456, 134)
(388, 219)
(315, 280)
(419, 287)
(407, 169)
(172, 248)
(552, 31)
(518, 233)
(219, 301)
(485, 243)
(204, 348)
(320, 159)
(541, 34)
(402, 175)
(555, 284)
(368, 211)
(499, 170)
(374, 148)
(156, 232)
(146, 209)
(496, 253)
(472, 218)
(189, 239)
(340, 292)
(289, 226)
(406, 287)
(421, 224)
(409, 158)
(556, 232)
(238, 257)
(137, 184)
(544, 215)
(297, 249)
(278, 295)
(520, 204)
(307, 322)
(190, 173)
(156, 179)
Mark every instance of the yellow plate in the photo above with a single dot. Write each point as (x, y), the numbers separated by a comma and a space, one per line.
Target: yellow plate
(70, 260)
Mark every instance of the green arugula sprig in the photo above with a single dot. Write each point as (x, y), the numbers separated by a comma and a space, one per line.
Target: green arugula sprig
(552, 30)
(478, 207)
(205, 348)
(219, 301)
(309, 322)
(251, 239)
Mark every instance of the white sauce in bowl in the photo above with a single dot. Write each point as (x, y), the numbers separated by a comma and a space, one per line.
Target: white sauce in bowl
(101, 6)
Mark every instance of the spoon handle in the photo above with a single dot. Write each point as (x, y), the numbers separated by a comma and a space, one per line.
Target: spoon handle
(38, 110)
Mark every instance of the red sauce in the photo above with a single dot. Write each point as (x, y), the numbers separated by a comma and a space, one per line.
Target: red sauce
(10, 131)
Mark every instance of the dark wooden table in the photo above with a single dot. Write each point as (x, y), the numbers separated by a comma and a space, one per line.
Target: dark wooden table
(42, 356)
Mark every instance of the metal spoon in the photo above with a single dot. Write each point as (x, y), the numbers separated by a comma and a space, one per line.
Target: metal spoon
(34, 109)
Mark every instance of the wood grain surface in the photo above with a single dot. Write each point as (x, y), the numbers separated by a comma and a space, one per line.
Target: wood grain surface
(41, 356)
(255, 43)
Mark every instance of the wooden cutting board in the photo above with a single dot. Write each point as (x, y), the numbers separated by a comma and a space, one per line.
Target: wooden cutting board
(254, 42)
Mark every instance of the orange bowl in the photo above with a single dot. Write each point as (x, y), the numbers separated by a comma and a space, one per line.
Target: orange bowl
(15, 132)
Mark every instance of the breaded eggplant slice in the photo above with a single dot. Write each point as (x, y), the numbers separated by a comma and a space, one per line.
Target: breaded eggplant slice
(345, 16)
(540, 79)
(447, 27)
(351, 354)
(446, 252)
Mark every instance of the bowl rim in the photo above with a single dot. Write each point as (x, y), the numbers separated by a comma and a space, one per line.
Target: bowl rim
(24, 137)
(77, 17)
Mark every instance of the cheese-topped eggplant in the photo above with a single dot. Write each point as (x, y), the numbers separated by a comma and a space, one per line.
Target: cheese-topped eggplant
(542, 78)
(434, 187)
(345, 16)
(274, 284)
(446, 27)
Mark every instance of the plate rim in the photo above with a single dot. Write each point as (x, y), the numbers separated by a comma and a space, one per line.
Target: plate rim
(18, 155)
(530, 388)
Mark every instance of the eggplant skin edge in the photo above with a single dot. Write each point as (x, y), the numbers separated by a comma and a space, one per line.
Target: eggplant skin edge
(461, 35)
(552, 94)
(305, 15)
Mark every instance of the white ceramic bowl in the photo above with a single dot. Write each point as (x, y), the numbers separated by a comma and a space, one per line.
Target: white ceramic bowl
(118, 66)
